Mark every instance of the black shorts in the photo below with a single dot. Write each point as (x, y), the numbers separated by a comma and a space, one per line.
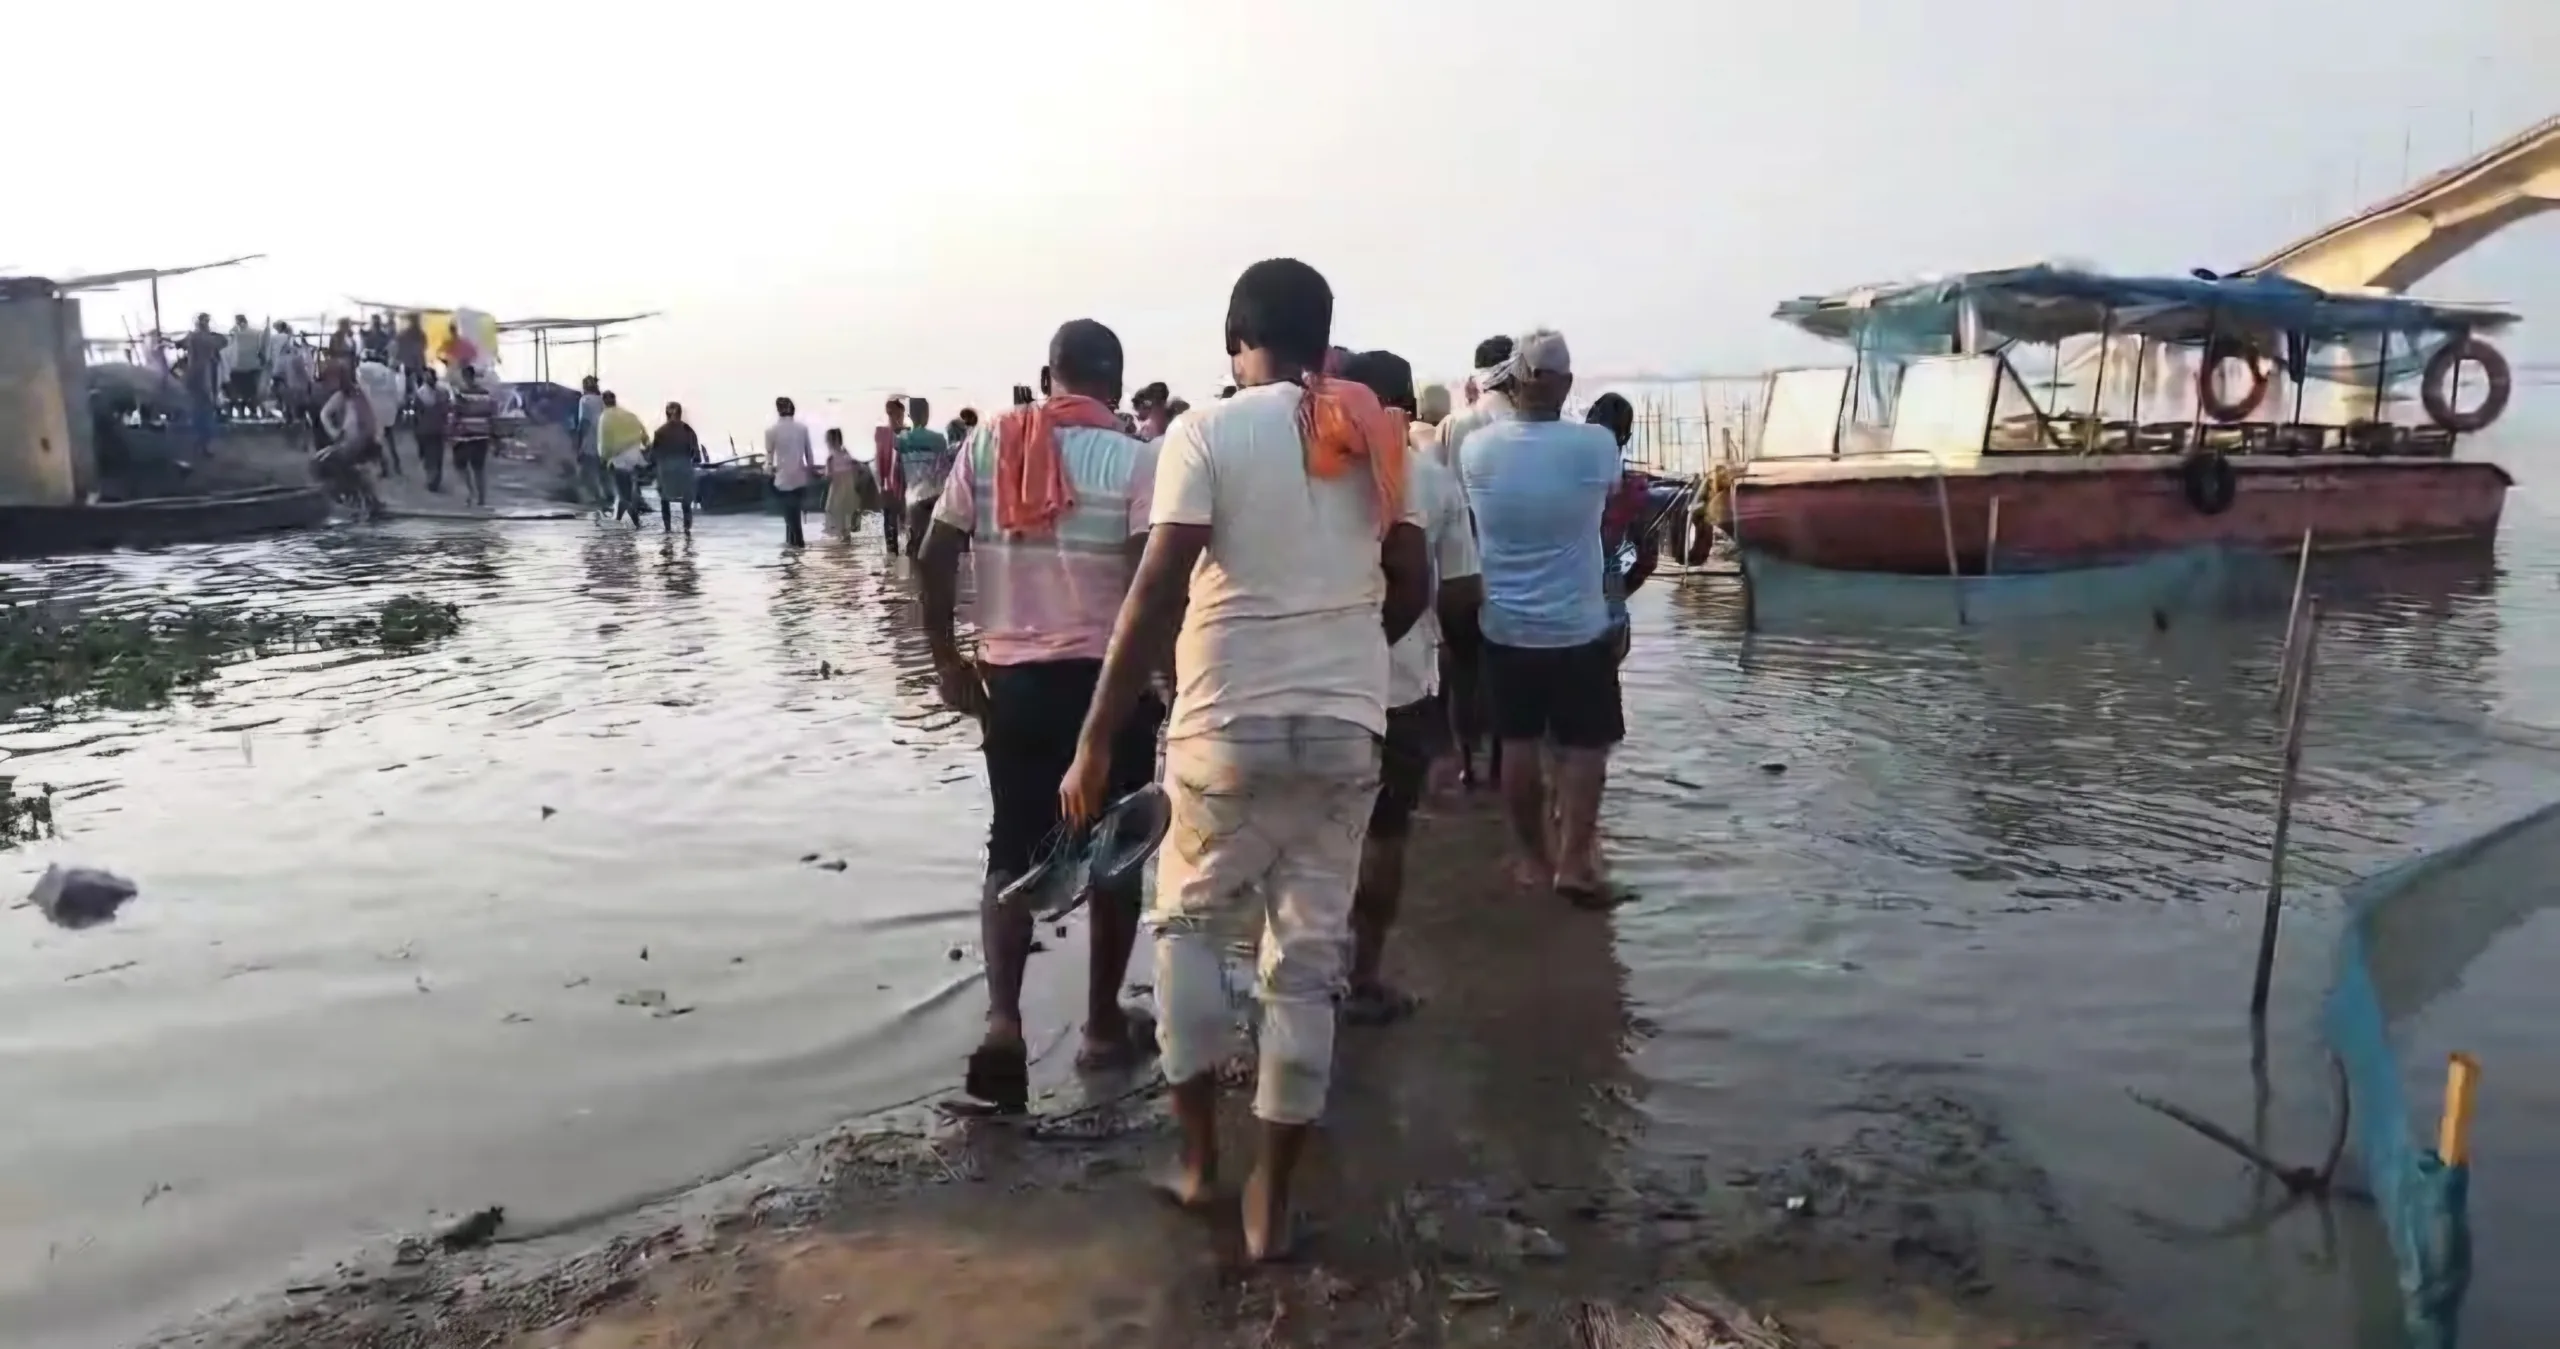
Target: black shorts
(471, 454)
(1567, 695)
(1415, 733)
(1035, 713)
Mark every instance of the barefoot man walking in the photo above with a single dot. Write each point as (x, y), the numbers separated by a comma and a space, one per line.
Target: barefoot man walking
(1285, 552)
(1540, 486)
(1054, 506)
(1417, 724)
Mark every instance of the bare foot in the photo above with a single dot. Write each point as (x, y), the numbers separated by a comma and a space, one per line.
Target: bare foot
(1188, 1187)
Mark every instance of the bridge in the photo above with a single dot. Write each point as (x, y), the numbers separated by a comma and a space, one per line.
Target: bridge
(2403, 239)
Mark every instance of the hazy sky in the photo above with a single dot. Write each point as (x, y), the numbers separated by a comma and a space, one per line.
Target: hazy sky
(832, 200)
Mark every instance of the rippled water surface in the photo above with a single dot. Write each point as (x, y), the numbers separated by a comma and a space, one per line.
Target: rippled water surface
(395, 910)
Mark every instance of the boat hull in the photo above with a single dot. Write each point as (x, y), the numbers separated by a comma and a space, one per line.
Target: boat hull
(35, 531)
(2077, 511)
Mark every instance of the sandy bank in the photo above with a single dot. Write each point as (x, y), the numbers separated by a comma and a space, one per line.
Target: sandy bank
(1482, 1181)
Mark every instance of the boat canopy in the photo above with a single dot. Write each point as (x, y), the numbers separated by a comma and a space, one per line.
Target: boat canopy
(2046, 304)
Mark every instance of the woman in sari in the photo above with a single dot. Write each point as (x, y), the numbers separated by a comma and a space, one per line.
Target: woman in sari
(844, 488)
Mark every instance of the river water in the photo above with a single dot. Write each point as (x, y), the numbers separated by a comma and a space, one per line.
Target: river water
(403, 920)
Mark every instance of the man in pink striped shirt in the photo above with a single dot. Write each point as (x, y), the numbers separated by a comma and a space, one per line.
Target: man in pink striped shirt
(1052, 503)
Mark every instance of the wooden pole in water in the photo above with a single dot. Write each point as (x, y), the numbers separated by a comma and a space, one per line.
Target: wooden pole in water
(2298, 699)
(2453, 1129)
(1991, 539)
(2292, 625)
(1947, 527)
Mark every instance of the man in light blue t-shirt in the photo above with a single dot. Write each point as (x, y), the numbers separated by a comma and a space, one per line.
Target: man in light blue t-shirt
(1539, 485)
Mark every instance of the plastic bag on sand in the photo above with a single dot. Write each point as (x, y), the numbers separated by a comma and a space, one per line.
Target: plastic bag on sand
(80, 896)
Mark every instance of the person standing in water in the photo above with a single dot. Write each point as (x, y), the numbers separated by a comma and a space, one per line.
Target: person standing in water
(924, 457)
(1053, 509)
(1283, 545)
(592, 488)
(1540, 485)
(431, 419)
(786, 451)
(1623, 525)
(675, 453)
(475, 431)
(884, 466)
(624, 442)
(844, 489)
(1417, 725)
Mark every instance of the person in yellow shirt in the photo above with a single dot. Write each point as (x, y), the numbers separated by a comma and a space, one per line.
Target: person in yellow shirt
(624, 442)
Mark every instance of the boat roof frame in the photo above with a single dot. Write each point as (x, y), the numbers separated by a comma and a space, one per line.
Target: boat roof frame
(2045, 303)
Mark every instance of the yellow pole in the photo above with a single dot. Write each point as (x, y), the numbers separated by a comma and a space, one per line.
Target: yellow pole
(2453, 1131)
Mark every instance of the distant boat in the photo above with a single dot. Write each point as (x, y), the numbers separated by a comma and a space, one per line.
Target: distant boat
(1933, 454)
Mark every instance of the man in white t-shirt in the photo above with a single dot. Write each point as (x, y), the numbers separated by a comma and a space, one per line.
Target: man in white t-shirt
(1461, 650)
(1417, 723)
(1283, 537)
(786, 453)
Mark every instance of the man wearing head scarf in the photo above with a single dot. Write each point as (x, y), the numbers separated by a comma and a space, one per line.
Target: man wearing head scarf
(1052, 505)
(1284, 548)
(1540, 486)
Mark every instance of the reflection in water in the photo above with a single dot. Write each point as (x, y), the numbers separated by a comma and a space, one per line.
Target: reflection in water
(369, 976)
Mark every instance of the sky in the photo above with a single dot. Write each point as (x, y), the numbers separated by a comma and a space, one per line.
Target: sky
(837, 202)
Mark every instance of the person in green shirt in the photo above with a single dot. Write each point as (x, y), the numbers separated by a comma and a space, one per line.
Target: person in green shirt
(924, 460)
(623, 439)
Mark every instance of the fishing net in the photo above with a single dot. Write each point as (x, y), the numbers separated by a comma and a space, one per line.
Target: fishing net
(2410, 932)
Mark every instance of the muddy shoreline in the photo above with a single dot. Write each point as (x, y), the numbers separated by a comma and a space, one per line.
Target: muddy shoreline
(1481, 1180)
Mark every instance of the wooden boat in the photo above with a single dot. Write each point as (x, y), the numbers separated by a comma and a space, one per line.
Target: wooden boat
(31, 531)
(1936, 452)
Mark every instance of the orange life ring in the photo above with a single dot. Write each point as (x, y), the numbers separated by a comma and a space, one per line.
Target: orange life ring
(2435, 388)
(2208, 389)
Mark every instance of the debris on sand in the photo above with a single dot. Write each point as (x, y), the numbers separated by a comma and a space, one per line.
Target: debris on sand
(1694, 1317)
(476, 1230)
(77, 897)
(23, 816)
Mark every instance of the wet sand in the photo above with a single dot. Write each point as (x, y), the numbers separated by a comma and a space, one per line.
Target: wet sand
(1473, 1184)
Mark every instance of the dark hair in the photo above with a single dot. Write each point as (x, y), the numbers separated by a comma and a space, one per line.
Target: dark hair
(969, 417)
(918, 409)
(588, 384)
(1175, 409)
(835, 435)
(1022, 395)
(1386, 374)
(894, 406)
(784, 407)
(1615, 412)
(1152, 396)
(610, 400)
(674, 410)
(1492, 351)
(1085, 354)
(1227, 392)
(1282, 306)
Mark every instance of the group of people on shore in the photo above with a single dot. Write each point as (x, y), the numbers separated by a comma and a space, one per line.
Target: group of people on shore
(1304, 589)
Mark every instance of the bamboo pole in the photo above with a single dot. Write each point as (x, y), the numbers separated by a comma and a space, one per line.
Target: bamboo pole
(1991, 539)
(2453, 1129)
(1947, 528)
(2298, 699)
(2292, 625)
